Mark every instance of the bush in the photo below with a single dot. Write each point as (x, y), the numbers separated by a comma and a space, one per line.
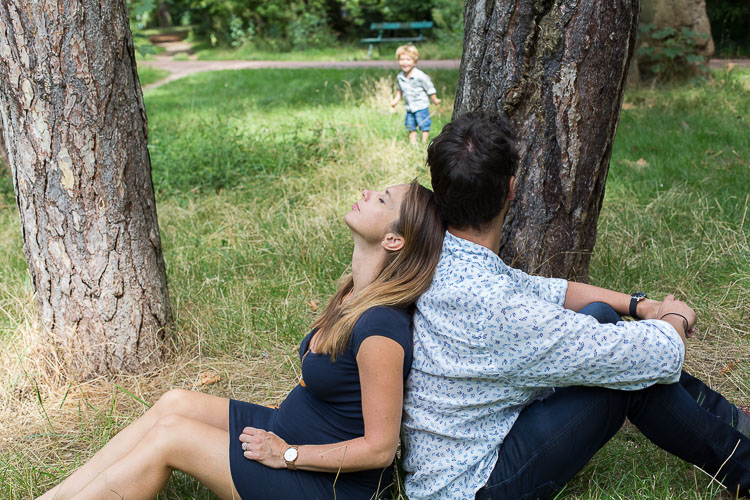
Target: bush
(670, 54)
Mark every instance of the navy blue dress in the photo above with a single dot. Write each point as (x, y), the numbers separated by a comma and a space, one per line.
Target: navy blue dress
(326, 409)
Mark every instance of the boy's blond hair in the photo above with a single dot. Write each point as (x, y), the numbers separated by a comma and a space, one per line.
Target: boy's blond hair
(409, 50)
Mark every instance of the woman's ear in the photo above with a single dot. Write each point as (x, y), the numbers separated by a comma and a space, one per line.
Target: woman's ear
(392, 242)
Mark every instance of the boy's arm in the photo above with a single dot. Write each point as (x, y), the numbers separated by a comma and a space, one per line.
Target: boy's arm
(429, 89)
(396, 99)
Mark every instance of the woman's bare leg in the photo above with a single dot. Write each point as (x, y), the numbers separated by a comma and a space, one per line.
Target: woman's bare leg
(210, 410)
(175, 442)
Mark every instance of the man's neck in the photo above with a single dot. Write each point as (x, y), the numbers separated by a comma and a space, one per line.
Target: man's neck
(489, 238)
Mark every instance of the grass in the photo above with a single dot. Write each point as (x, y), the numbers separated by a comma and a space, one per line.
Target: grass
(148, 75)
(252, 178)
(344, 52)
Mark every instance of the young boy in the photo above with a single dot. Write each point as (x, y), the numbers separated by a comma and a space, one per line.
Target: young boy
(415, 86)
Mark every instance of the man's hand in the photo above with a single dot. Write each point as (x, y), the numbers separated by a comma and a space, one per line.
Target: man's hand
(673, 311)
(648, 309)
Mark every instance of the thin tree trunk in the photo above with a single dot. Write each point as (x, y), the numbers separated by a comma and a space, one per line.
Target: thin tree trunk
(556, 69)
(75, 126)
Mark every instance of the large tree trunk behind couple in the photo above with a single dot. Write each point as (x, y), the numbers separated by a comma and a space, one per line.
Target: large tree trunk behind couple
(557, 70)
(75, 129)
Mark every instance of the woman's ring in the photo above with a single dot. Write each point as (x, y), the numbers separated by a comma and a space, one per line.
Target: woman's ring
(244, 446)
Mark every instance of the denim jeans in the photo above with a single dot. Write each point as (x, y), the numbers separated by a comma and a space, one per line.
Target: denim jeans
(554, 438)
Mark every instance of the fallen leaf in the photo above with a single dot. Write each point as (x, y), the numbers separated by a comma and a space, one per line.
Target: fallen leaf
(730, 66)
(628, 105)
(642, 163)
(727, 369)
(209, 377)
(313, 305)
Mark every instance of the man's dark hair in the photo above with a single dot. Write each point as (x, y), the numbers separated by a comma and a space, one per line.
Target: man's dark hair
(471, 163)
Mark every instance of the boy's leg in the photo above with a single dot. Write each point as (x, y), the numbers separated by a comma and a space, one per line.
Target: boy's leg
(410, 122)
(424, 122)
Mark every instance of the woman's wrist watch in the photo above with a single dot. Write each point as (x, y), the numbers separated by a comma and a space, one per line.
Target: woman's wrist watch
(290, 457)
(634, 299)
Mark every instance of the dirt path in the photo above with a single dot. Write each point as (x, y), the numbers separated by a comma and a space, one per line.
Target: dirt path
(179, 69)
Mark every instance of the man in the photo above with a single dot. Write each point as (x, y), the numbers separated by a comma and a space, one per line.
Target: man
(481, 417)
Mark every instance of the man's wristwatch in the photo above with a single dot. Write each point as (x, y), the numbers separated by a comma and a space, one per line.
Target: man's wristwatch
(634, 299)
(290, 456)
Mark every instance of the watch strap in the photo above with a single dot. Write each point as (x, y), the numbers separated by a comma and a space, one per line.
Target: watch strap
(633, 307)
(634, 299)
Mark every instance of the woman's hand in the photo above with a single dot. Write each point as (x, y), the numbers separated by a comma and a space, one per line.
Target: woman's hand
(264, 447)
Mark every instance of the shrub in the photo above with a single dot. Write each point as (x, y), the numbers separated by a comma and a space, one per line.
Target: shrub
(669, 53)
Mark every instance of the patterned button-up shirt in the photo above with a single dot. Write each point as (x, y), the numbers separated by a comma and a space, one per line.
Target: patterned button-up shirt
(489, 340)
(415, 89)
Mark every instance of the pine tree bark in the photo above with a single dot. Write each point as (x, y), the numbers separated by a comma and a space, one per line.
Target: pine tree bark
(556, 69)
(76, 131)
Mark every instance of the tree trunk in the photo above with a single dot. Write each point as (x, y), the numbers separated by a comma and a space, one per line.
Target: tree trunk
(556, 69)
(4, 161)
(75, 126)
(163, 15)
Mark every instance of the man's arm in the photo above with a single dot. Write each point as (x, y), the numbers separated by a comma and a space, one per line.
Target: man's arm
(579, 295)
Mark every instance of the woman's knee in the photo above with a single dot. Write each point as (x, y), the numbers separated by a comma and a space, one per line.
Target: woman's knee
(603, 313)
(175, 402)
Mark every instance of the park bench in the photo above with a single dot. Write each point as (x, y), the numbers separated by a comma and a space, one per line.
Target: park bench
(382, 28)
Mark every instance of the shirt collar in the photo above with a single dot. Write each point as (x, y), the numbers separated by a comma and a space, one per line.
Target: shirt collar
(459, 248)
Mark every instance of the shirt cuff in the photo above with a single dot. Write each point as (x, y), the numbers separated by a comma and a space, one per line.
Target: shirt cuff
(676, 341)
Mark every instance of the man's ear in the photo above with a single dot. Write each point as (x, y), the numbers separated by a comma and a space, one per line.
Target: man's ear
(512, 188)
(392, 242)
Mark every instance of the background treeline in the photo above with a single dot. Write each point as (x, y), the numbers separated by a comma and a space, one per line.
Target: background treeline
(294, 25)
(730, 20)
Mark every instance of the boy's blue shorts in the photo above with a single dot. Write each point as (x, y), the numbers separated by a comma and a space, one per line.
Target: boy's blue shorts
(420, 118)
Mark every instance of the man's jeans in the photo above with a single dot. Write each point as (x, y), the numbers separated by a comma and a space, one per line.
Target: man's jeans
(554, 438)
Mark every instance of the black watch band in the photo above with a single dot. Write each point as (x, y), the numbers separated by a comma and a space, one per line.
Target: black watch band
(634, 299)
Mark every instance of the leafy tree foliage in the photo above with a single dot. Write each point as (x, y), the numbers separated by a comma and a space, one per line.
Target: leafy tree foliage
(298, 24)
(729, 21)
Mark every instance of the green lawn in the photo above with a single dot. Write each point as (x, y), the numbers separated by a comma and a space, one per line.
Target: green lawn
(344, 52)
(254, 171)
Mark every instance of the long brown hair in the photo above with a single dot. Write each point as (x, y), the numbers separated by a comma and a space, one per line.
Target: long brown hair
(406, 273)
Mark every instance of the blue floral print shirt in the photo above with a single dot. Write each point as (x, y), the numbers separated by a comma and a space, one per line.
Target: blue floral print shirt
(489, 340)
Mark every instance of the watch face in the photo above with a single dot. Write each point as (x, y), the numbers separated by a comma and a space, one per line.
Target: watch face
(290, 454)
(639, 295)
